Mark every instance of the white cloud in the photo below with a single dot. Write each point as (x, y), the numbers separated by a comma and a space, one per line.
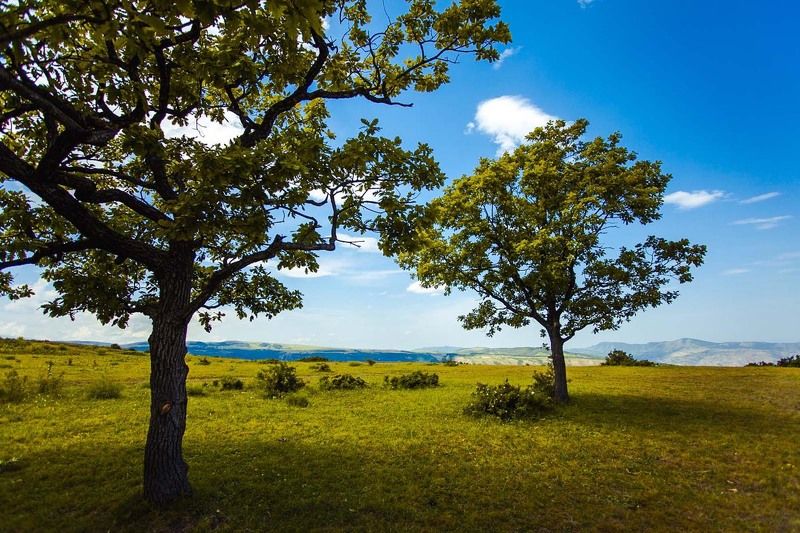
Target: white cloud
(508, 119)
(763, 223)
(206, 130)
(362, 243)
(694, 199)
(505, 54)
(760, 198)
(417, 288)
(735, 271)
(585, 3)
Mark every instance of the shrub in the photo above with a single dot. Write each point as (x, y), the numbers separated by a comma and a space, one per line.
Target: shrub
(508, 402)
(370, 362)
(280, 380)
(451, 362)
(115, 346)
(204, 361)
(322, 367)
(49, 383)
(354, 363)
(342, 382)
(229, 383)
(414, 380)
(15, 388)
(793, 361)
(314, 359)
(195, 390)
(621, 358)
(104, 390)
(296, 400)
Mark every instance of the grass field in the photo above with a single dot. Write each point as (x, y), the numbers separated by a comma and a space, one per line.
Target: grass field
(637, 449)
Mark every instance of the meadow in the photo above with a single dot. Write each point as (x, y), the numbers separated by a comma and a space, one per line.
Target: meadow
(657, 448)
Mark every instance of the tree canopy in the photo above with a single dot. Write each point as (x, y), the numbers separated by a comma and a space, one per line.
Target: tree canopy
(526, 233)
(124, 215)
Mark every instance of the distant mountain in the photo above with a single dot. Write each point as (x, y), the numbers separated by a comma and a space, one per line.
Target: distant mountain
(697, 352)
(293, 352)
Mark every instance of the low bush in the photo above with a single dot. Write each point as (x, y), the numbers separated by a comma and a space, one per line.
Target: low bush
(115, 346)
(204, 361)
(314, 359)
(295, 400)
(622, 358)
(196, 390)
(414, 380)
(49, 383)
(229, 383)
(104, 389)
(370, 362)
(280, 380)
(791, 362)
(508, 402)
(451, 362)
(342, 382)
(14, 388)
(354, 363)
(322, 367)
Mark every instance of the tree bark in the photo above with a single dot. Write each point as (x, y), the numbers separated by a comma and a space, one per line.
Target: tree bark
(560, 393)
(165, 472)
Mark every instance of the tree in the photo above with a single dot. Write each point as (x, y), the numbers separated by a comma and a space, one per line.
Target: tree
(124, 217)
(525, 231)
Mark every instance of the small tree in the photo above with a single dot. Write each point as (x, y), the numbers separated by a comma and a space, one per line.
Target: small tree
(525, 232)
(623, 358)
(125, 216)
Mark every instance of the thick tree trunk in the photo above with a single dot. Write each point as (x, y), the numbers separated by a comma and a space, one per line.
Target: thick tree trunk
(560, 394)
(165, 472)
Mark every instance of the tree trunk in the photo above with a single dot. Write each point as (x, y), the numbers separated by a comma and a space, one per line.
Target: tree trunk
(165, 472)
(560, 394)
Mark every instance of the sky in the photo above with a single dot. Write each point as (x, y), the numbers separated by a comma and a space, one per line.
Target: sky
(709, 88)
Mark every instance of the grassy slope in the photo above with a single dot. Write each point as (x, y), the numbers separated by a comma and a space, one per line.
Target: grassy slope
(639, 448)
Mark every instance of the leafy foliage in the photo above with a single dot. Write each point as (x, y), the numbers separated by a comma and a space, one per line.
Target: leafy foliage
(296, 400)
(280, 380)
(231, 383)
(415, 380)
(321, 367)
(791, 361)
(525, 232)
(507, 401)
(342, 382)
(622, 358)
(15, 387)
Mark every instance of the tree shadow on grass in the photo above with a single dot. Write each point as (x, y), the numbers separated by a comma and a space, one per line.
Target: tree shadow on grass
(672, 414)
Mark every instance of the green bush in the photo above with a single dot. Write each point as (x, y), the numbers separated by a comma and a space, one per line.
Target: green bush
(322, 367)
(296, 400)
(621, 358)
(314, 359)
(14, 388)
(354, 363)
(104, 390)
(451, 362)
(229, 383)
(342, 382)
(508, 402)
(115, 346)
(370, 362)
(195, 390)
(414, 380)
(280, 380)
(204, 361)
(49, 383)
(793, 361)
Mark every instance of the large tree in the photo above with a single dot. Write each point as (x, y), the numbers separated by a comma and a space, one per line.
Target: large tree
(124, 217)
(527, 232)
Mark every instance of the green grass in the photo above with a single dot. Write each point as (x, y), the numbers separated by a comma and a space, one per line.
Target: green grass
(638, 448)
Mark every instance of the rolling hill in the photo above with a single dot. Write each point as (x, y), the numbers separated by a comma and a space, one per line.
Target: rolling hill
(695, 352)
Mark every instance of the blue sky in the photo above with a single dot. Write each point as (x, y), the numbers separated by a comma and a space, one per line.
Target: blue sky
(709, 88)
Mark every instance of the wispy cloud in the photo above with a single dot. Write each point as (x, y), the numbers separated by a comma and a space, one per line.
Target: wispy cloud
(362, 243)
(507, 120)
(694, 199)
(417, 288)
(735, 271)
(763, 223)
(585, 3)
(505, 54)
(760, 198)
